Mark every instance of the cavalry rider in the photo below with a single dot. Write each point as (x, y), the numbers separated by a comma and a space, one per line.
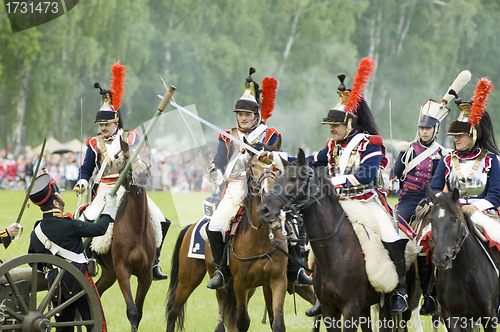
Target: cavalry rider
(473, 166)
(414, 167)
(63, 236)
(103, 152)
(353, 157)
(230, 163)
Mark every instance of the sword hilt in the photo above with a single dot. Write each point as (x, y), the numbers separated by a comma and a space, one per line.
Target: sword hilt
(166, 98)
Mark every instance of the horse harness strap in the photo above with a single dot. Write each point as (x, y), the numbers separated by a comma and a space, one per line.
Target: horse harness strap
(335, 231)
(266, 255)
(488, 254)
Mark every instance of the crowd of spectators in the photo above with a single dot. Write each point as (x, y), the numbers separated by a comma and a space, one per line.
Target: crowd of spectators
(182, 172)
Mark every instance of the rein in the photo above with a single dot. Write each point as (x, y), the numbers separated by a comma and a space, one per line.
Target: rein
(463, 232)
(256, 185)
(293, 208)
(254, 258)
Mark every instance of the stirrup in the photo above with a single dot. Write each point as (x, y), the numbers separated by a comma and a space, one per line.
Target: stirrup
(395, 311)
(157, 274)
(302, 278)
(434, 306)
(315, 310)
(217, 281)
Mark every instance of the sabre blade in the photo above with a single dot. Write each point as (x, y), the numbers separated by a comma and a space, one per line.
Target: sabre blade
(213, 127)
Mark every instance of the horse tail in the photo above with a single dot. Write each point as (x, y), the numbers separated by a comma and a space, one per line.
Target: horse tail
(230, 312)
(174, 279)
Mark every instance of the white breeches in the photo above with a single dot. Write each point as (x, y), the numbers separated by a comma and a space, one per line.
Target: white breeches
(95, 207)
(491, 224)
(385, 223)
(228, 207)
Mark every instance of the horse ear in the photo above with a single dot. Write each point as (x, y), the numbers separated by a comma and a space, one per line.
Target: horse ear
(430, 193)
(246, 142)
(301, 158)
(277, 144)
(455, 195)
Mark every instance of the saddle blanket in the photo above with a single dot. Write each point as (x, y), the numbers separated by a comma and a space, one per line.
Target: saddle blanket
(197, 242)
(380, 269)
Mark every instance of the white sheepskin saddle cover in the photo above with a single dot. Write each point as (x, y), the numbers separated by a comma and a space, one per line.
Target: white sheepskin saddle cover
(379, 266)
(102, 244)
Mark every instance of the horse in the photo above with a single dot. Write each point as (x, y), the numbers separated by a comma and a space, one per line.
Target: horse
(187, 273)
(340, 279)
(467, 281)
(133, 246)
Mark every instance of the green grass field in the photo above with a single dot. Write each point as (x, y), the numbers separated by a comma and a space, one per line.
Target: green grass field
(201, 309)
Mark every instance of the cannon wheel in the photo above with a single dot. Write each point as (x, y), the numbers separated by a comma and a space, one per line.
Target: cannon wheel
(41, 319)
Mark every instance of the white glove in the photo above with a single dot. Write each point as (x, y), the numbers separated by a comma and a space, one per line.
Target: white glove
(110, 205)
(339, 180)
(215, 175)
(80, 187)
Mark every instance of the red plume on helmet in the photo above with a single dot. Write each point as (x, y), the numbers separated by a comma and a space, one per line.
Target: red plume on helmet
(118, 84)
(269, 86)
(365, 69)
(483, 89)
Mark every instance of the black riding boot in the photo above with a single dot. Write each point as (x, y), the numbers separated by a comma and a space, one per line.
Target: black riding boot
(157, 274)
(397, 254)
(315, 310)
(217, 246)
(429, 307)
(295, 272)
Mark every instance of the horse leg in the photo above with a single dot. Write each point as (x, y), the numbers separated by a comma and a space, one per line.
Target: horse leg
(123, 276)
(278, 299)
(190, 275)
(241, 293)
(106, 280)
(351, 313)
(268, 297)
(143, 285)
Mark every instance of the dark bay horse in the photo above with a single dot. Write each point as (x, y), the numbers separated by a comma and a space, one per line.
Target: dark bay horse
(133, 247)
(467, 283)
(188, 273)
(340, 278)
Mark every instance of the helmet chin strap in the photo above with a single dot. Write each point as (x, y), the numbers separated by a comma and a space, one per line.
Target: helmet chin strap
(348, 129)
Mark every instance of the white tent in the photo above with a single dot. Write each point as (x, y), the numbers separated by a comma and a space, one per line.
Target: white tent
(51, 146)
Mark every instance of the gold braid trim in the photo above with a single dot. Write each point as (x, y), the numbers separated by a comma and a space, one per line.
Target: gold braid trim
(456, 165)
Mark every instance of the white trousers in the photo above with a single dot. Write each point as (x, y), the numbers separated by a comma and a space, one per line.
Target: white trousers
(95, 207)
(228, 207)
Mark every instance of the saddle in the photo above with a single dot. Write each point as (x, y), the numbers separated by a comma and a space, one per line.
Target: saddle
(380, 269)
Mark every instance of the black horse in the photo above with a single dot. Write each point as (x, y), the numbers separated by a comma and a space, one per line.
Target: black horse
(467, 283)
(340, 278)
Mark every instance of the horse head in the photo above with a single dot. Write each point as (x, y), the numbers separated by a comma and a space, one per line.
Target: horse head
(449, 227)
(294, 189)
(140, 170)
(261, 170)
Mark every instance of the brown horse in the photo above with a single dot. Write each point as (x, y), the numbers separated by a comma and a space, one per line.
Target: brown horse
(340, 278)
(133, 247)
(188, 273)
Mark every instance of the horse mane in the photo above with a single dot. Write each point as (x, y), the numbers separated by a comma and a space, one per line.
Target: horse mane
(121, 207)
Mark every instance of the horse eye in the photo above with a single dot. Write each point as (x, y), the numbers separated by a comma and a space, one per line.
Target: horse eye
(293, 179)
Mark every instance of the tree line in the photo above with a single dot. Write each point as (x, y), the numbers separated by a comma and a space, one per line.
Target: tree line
(205, 49)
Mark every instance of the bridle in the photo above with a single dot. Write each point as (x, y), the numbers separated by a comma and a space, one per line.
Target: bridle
(293, 207)
(138, 163)
(256, 184)
(461, 236)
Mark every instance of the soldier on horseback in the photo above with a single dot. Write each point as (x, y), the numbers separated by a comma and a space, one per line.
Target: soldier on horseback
(104, 152)
(473, 166)
(353, 157)
(414, 167)
(229, 167)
